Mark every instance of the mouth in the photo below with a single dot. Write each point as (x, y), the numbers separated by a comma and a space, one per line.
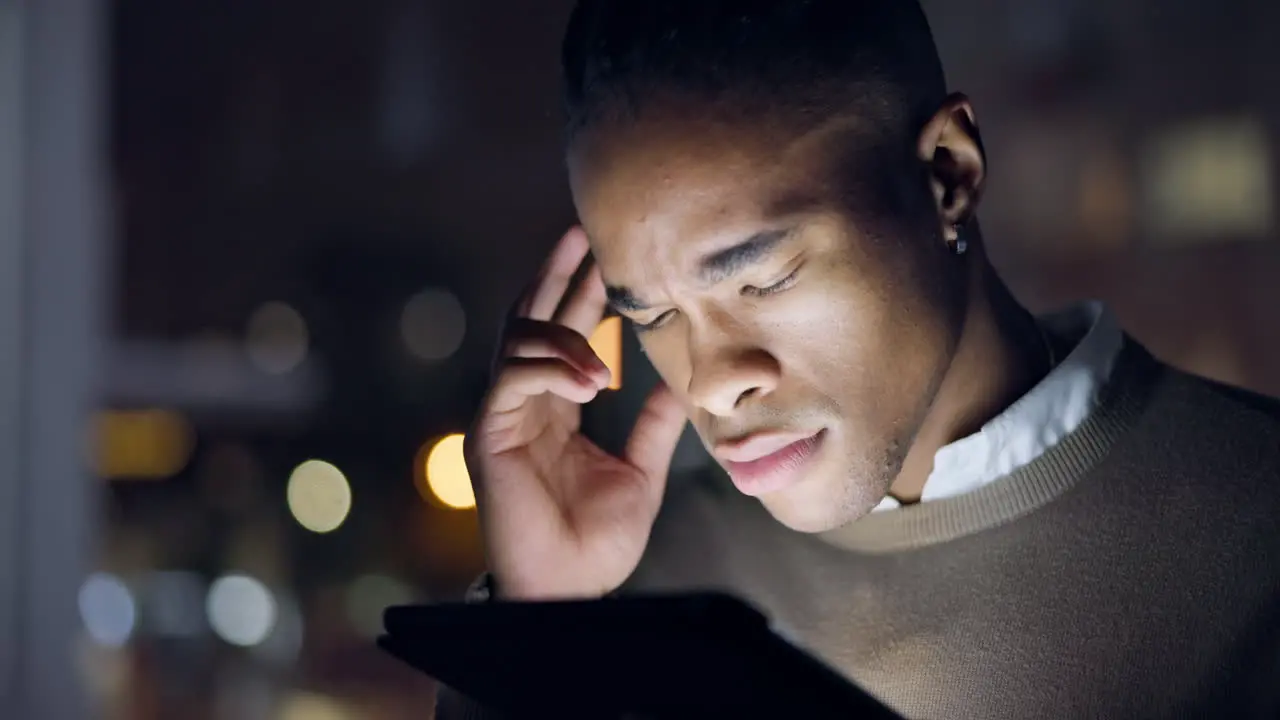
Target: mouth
(768, 462)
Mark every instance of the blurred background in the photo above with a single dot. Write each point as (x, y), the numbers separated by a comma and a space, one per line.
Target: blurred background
(253, 254)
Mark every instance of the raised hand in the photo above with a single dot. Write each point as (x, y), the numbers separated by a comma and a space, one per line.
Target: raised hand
(561, 517)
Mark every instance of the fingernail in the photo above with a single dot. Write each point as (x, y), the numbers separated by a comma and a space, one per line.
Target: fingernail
(603, 378)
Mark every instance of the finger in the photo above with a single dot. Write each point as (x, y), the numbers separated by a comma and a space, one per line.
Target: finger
(524, 378)
(536, 339)
(556, 274)
(653, 440)
(584, 309)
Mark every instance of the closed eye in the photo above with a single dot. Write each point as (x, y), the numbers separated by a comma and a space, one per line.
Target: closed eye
(655, 323)
(784, 284)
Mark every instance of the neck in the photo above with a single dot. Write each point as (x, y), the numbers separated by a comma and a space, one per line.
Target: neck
(1000, 356)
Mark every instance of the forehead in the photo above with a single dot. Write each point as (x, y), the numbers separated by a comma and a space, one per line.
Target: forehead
(662, 190)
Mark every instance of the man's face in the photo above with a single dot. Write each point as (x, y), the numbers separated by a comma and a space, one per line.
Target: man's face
(806, 340)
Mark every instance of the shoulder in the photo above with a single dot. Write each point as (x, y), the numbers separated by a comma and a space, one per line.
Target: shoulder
(1216, 409)
(1262, 408)
(1218, 444)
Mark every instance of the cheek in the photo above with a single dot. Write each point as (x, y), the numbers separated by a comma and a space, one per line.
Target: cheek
(864, 349)
(816, 335)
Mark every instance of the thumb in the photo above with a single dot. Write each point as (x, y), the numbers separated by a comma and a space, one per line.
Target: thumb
(657, 430)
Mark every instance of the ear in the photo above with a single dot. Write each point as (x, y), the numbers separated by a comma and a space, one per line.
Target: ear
(952, 149)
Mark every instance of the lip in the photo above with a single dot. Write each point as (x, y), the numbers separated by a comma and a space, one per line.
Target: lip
(768, 462)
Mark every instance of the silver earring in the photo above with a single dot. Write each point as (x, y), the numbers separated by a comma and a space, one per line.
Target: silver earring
(961, 244)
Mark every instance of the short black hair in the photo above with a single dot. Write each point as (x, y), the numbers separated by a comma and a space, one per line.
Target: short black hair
(808, 58)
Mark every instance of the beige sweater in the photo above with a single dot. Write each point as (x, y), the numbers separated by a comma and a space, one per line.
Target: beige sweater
(1132, 571)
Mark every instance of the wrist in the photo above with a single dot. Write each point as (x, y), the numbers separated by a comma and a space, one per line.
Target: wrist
(487, 589)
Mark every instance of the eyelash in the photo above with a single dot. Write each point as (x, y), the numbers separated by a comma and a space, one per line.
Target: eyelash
(657, 323)
(784, 284)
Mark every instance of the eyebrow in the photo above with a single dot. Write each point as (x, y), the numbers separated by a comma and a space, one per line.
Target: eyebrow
(724, 264)
(623, 300)
(714, 268)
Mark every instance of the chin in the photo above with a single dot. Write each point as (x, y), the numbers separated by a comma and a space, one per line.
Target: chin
(823, 503)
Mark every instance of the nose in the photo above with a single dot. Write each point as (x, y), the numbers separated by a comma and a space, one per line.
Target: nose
(724, 377)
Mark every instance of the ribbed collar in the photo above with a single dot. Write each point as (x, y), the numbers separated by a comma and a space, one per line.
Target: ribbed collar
(1026, 488)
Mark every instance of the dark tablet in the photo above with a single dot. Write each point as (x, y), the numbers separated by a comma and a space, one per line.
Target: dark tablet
(679, 656)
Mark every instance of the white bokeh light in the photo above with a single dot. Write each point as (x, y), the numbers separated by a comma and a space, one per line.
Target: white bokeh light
(319, 496)
(107, 609)
(276, 338)
(241, 610)
(433, 324)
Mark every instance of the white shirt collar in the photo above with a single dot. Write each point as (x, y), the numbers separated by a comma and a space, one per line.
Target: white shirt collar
(1041, 418)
